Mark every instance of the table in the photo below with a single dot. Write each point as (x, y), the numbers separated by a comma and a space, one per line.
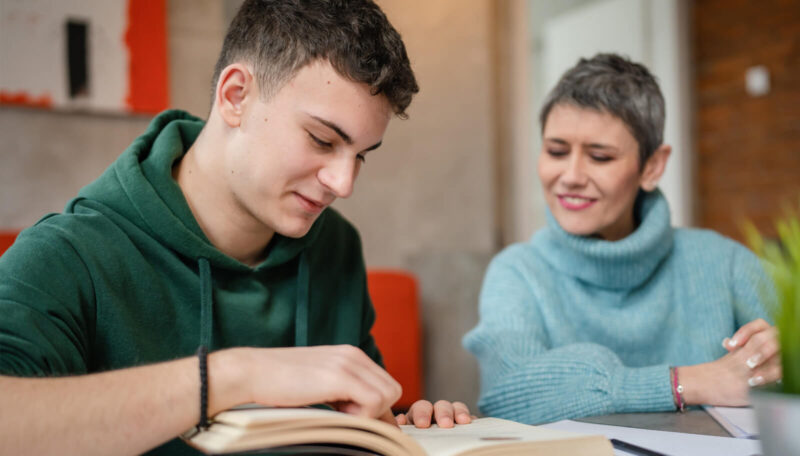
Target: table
(692, 421)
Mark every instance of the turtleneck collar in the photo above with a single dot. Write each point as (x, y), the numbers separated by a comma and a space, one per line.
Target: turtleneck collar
(622, 264)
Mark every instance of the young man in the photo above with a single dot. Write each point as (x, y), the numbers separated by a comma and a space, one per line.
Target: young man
(214, 235)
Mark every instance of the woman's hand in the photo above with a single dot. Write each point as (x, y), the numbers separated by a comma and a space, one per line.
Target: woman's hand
(444, 413)
(753, 359)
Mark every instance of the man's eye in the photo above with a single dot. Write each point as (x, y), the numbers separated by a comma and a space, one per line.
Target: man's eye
(320, 142)
(362, 158)
(601, 158)
(556, 153)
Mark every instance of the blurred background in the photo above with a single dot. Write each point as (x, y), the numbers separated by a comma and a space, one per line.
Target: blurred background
(456, 182)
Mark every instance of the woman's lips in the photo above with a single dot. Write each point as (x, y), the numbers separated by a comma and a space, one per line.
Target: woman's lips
(574, 202)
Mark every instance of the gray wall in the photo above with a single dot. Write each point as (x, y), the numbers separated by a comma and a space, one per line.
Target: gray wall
(424, 201)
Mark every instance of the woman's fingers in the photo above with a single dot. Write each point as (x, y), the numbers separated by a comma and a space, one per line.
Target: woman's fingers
(769, 372)
(742, 336)
(761, 347)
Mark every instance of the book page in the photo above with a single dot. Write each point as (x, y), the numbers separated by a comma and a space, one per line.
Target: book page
(255, 428)
(486, 432)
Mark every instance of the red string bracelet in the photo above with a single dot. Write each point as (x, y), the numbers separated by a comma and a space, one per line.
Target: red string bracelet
(677, 389)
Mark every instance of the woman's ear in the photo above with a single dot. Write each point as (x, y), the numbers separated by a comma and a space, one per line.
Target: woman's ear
(654, 168)
(234, 86)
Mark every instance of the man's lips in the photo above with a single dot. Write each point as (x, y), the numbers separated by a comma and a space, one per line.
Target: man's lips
(575, 202)
(310, 205)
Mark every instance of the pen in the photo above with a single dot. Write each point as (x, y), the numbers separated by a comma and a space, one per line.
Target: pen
(634, 449)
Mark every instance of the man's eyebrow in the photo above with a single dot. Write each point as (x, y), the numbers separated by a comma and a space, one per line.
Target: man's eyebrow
(342, 134)
(335, 128)
(374, 146)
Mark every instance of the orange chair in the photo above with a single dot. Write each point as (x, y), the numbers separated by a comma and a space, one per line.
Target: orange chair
(6, 239)
(397, 330)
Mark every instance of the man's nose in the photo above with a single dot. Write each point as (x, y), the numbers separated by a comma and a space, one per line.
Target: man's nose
(339, 175)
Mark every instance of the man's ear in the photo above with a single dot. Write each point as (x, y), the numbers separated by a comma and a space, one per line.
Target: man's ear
(654, 168)
(234, 86)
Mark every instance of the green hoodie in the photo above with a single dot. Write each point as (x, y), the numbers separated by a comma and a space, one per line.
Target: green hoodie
(125, 276)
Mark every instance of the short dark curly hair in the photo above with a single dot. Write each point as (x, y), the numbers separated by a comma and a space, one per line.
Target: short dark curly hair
(614, 84)
(279, 37)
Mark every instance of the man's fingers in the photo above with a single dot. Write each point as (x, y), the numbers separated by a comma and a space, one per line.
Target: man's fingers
(420, 413)
(388, 417)
(401, 419)
(462, 414)
(376, 389)
(444, 413)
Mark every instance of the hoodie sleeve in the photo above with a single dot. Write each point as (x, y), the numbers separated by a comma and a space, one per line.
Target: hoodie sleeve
(524, 379)
(367, 341)
(46, 305)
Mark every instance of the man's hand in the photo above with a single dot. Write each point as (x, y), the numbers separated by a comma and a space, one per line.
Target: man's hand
(444, 413)
(342, 376)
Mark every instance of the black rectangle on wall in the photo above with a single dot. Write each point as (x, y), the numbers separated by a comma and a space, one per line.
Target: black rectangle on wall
(77, 58)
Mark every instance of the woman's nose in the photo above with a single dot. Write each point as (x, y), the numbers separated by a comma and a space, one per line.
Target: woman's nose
(575, 173)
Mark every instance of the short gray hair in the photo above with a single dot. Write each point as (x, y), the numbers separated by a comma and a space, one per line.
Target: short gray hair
(614, 84)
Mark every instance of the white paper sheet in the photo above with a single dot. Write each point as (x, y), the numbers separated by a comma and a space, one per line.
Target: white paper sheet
(739, 421)
(670, 443)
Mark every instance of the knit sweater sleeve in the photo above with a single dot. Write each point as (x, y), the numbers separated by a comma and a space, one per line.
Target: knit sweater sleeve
(751, 288)
(524, 379)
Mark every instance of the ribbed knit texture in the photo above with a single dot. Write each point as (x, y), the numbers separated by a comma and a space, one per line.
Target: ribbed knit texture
(574, 326)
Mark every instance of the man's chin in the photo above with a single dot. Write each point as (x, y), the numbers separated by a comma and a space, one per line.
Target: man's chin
(296, 231)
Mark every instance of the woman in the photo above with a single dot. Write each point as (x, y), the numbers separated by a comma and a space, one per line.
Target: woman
(609, 309)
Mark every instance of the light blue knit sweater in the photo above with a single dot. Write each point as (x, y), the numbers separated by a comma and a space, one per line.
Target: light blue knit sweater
(573, 326)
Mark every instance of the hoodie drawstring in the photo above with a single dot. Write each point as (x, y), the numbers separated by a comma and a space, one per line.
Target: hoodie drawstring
(206, 303)
(301, 317)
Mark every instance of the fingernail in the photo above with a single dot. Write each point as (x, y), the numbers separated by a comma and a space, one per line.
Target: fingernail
(755, 381)
(752, 362)
(732, 342)
(445, 422)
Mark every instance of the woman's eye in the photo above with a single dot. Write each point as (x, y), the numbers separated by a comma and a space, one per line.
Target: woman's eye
(556, 152)
(320, 142)
(362, 158)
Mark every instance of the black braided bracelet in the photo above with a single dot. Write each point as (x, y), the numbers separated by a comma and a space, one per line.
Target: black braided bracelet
(202, 356)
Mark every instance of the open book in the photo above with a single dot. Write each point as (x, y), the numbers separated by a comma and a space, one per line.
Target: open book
(315, 431)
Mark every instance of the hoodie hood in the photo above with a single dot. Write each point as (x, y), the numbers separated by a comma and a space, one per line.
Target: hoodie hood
(139, 187)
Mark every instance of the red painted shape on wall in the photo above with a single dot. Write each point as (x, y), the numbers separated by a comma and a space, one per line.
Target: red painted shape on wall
(24, 99)
(146, 38)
